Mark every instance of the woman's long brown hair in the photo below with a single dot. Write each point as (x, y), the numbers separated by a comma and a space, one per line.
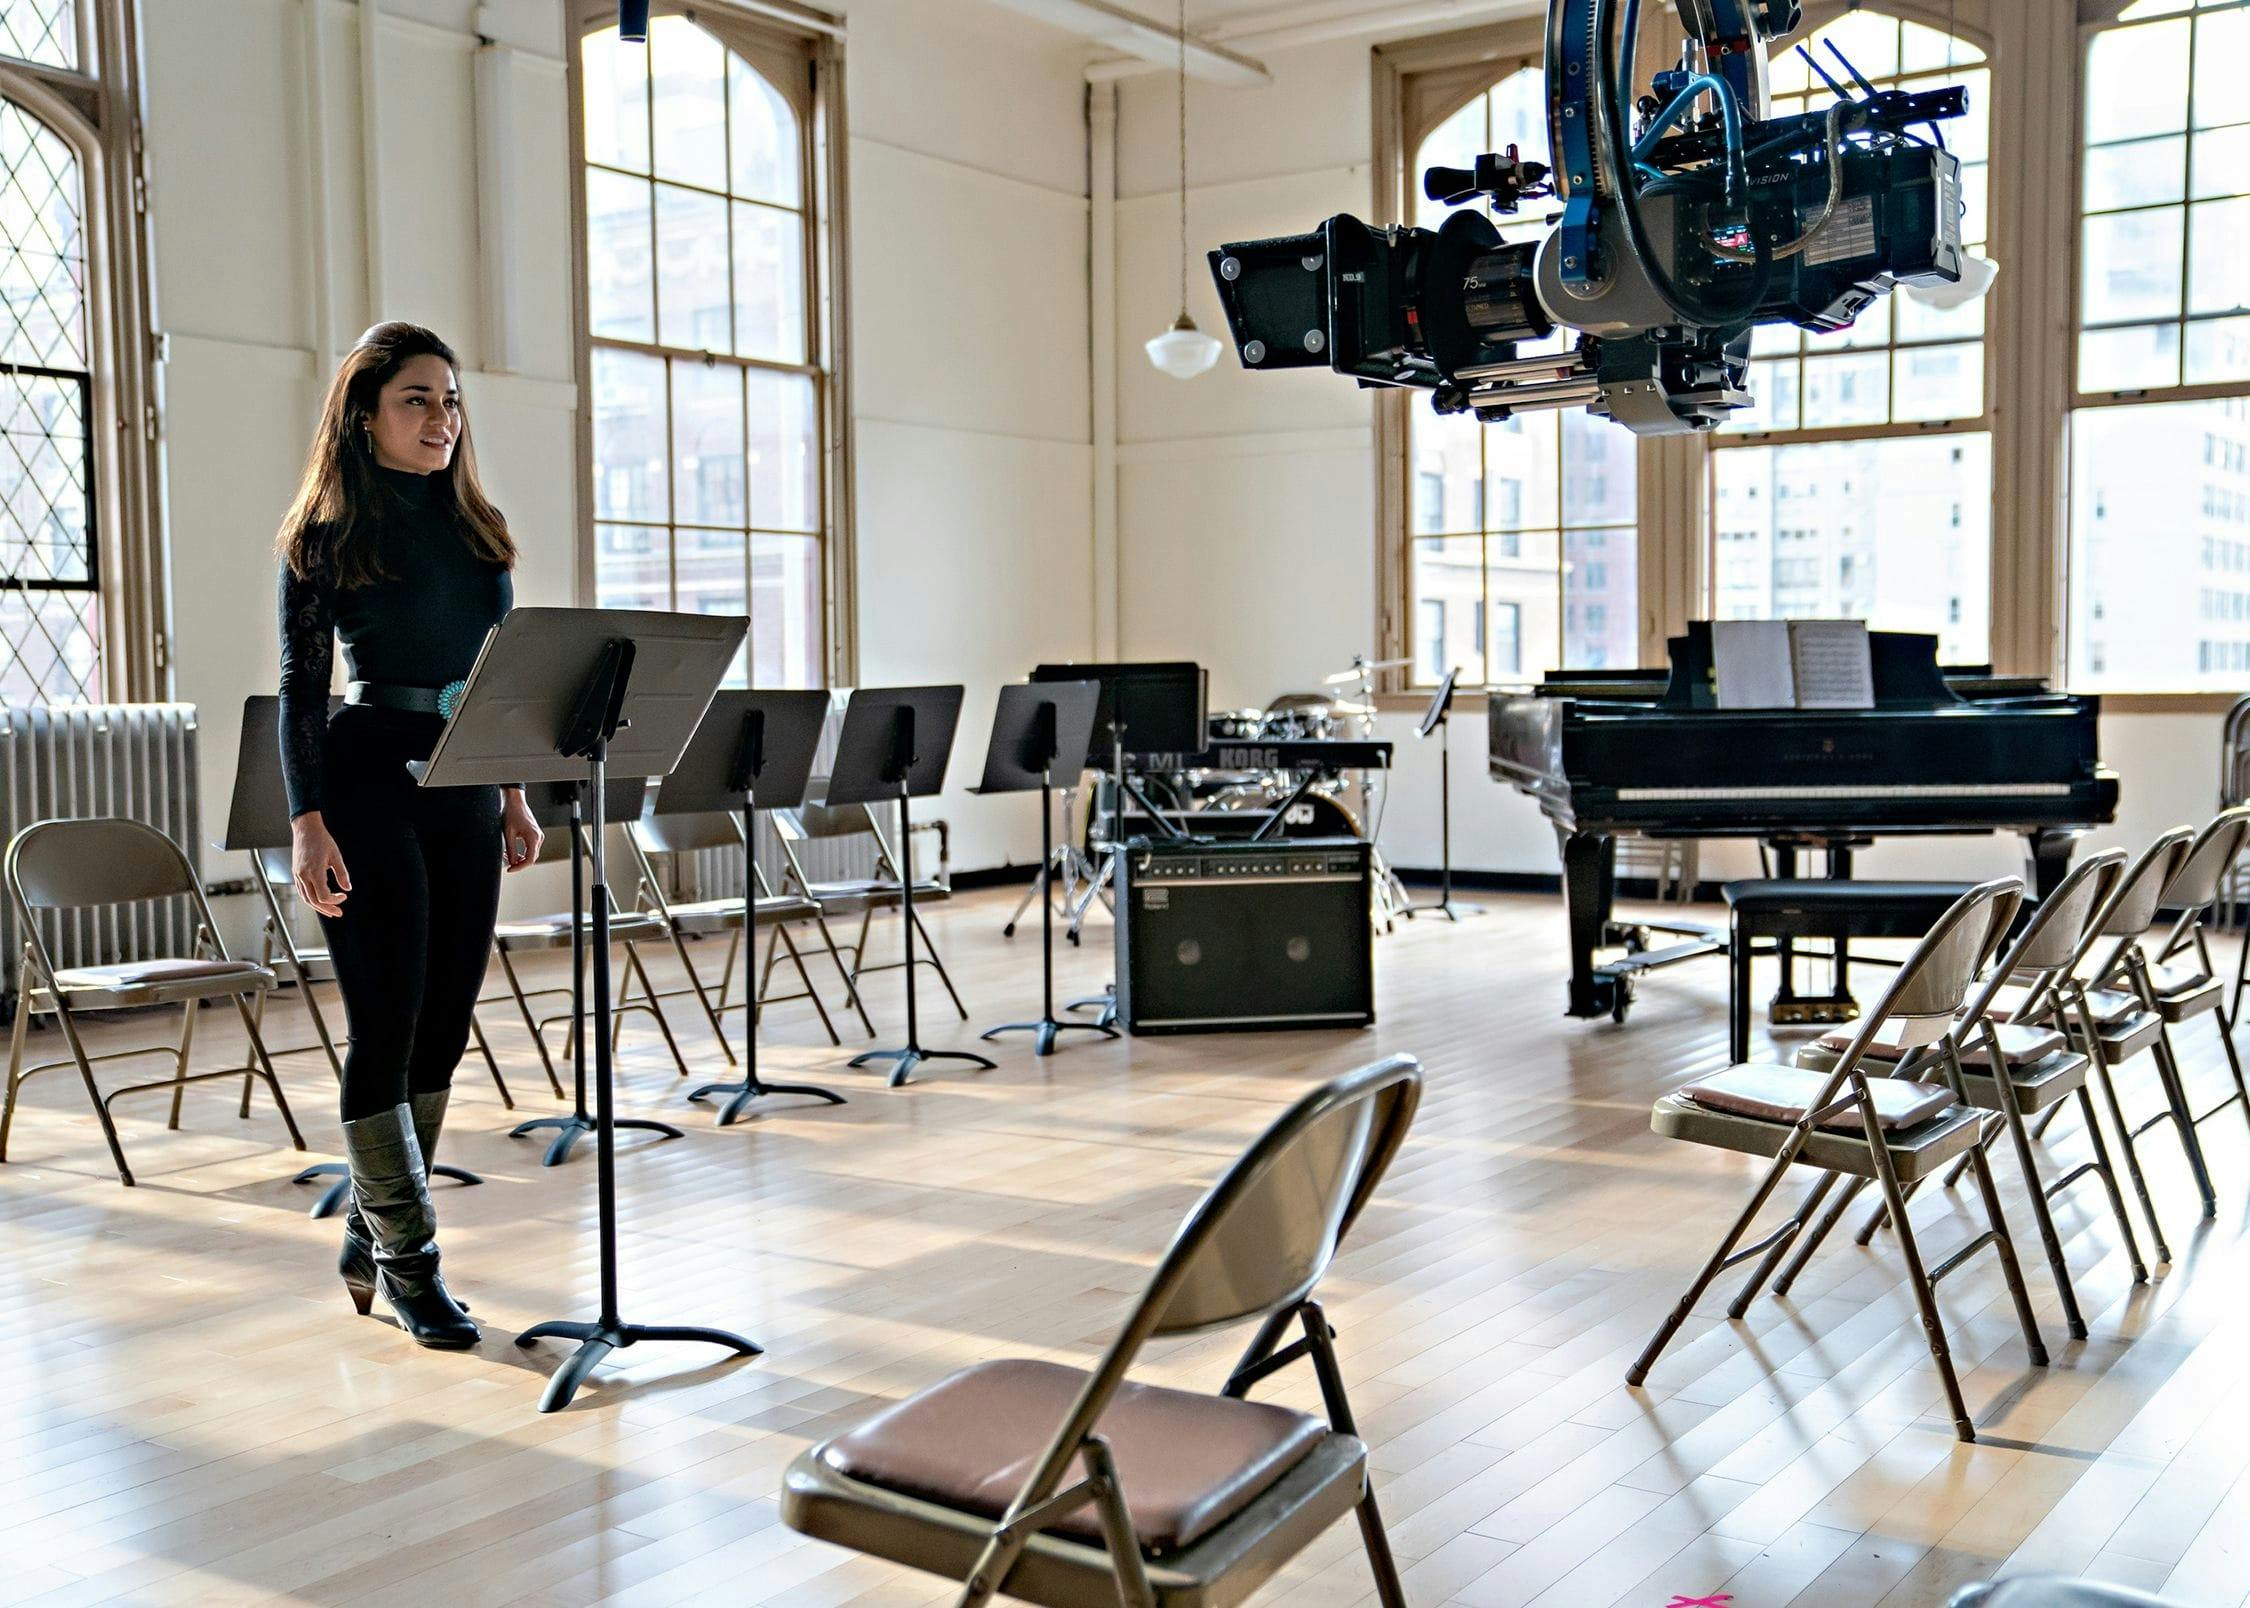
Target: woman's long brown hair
(333, 524)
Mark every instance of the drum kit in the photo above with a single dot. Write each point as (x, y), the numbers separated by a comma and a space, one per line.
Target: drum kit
(1332, 807)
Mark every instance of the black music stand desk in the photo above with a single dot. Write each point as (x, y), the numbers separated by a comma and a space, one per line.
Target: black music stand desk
(1037, 731)
(754, 751)
(894, 747)
(560, 695)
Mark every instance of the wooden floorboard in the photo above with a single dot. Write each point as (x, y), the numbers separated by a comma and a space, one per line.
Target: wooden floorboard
(196, 1415)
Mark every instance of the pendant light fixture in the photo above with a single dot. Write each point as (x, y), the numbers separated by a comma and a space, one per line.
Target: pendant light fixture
(1183, 351)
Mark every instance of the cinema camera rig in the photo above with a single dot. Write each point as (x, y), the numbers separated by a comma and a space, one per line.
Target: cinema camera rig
(1687, 219)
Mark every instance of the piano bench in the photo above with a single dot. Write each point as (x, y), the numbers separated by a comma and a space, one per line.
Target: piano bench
(1815, 907)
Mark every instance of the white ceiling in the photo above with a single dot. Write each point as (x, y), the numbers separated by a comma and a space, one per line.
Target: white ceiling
(1225, 37)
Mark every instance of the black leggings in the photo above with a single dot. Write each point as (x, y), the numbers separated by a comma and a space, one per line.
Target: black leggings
(411, 947)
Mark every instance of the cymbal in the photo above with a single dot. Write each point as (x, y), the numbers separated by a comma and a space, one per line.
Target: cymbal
(1351, 709)
(1354, 674)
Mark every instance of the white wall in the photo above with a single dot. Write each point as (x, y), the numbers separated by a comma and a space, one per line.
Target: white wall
(969, 296)
(237, 265)
(970, 354)
(1246, 528)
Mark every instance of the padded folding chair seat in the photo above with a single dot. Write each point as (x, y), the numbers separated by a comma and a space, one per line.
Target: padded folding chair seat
(2108, 1004)
(858, 894)
(153, 982)
(708, 915)
(554, 930)
(1188, 1462)
(2039, 1082)
(2022, 1046)
(2184, 993)
(922, 1482)
(1750, 1108)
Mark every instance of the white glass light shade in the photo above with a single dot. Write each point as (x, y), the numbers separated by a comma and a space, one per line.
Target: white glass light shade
(1183, 351)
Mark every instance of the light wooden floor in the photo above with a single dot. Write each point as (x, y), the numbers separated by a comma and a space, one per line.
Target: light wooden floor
(191, 1412)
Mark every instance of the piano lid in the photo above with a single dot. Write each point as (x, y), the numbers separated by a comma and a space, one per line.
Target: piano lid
(1905, 664)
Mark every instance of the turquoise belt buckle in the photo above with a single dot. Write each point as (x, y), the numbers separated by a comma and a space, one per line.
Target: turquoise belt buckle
(449, 698)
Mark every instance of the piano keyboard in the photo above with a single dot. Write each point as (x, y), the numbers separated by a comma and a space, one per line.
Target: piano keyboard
(1690, 795)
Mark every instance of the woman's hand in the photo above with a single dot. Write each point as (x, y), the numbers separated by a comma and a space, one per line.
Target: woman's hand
(520, 836)
(313, 859)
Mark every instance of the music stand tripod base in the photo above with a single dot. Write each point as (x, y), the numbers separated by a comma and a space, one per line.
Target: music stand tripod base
(1451, 909)
(750, 1089)
(598, 1339)
(332, 1198)
(904, 1061)
(1044, 1031)
(576, 1126)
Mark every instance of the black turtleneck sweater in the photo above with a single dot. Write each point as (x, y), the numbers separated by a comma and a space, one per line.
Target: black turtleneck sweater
(421, 625)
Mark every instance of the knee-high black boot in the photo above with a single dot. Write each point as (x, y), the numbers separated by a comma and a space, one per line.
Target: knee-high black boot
(357, 1260)
(392, 1192)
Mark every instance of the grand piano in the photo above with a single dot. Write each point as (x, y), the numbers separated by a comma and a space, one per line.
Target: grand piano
(1952, 750)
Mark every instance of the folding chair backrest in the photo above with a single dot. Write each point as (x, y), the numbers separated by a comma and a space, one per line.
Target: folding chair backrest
(2058, 933)
(689, 833)
(102, 860)
(2194, 883)
(2234, 756)
(1932, 983)
(550, 805)
(1265, 1233)
(1260, 1239)
(2140, 894)
(814, 819)
(258, 813)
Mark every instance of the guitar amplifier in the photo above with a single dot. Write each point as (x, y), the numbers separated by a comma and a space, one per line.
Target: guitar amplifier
(1217, 937)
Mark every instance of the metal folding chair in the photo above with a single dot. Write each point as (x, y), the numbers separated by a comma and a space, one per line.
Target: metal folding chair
(75, 864)
(1893, 1129)
(715, 829)
(258, 825)
(2022, 1067)
(1186, 1498)
(534, 934)
(859, 896)
(2183, 978)
(2117, 1015)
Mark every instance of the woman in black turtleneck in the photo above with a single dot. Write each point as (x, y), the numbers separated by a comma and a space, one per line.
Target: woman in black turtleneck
(392, 545)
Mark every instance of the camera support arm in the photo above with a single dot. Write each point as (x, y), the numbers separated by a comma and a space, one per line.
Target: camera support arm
(1584, 104)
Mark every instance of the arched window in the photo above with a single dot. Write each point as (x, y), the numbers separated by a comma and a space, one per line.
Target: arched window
(50, 612)
(1521, 550)
(1861, 484)
(709, 394)
(76, 501)
(2160, 437)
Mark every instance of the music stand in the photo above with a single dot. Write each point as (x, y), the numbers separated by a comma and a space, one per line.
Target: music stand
(1036, 731)
(1434, 719)
(558, 694)
(562, 806)
(754, 751)
(894, 746)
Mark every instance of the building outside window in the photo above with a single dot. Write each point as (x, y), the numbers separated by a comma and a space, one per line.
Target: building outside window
(709, 393)
(2160, 435)
(1877, 437)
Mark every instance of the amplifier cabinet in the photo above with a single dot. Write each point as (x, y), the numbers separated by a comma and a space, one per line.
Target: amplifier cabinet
(1218, 937)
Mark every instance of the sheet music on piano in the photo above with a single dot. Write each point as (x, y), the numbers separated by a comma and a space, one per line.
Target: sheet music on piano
(1793, 664)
